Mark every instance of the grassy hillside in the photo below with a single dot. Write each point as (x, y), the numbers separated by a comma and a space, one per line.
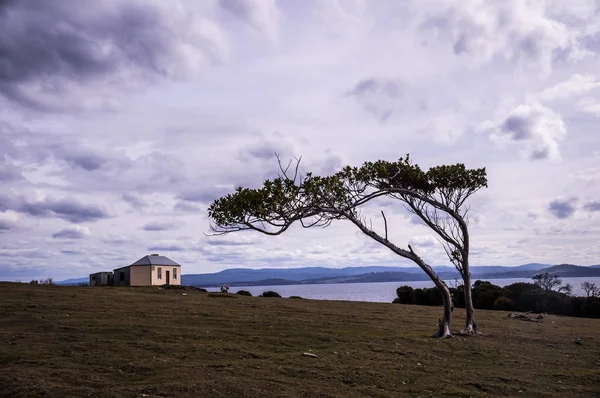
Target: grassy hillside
(134, 342)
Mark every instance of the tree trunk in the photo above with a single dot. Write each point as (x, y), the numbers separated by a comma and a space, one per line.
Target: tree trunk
(444, 330)
(471, 326)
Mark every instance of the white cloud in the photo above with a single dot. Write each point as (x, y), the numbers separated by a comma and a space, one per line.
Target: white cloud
(262, 15)
(576, 85)
(201, 96)
(539, 128)
(514, 31)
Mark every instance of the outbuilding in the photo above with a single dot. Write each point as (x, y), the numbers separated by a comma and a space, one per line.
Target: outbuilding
(149, 270)
(101, 279)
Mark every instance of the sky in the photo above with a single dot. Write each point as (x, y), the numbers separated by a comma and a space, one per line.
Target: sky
(122, 120)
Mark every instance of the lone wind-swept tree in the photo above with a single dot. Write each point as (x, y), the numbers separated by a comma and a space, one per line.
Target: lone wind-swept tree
(436, 196)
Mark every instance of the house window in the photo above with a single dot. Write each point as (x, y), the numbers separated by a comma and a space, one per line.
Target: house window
(174, 273)
(122, 276)
(158, 273)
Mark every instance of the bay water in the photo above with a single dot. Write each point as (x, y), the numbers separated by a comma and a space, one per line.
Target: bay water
(382, 292)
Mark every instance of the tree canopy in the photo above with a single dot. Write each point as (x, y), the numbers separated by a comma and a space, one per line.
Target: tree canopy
(437, 196)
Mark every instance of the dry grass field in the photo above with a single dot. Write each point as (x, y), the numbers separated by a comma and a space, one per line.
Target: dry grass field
(149, 342)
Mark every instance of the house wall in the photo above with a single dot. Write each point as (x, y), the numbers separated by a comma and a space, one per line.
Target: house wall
(117, 279)
(163, 280)
(100, 279)
(140, 275)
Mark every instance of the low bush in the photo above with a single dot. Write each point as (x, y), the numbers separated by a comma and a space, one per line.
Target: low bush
(406, 295)
(295, 297)
(429, 296)
(504, 304)
(244, 293)
(270, 293)
(519, 296)
(485, 294)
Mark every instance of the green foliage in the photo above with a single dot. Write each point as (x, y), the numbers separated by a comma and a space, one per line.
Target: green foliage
(485, 294)
(244, 293)
(514, 290)
(296, 297)
(517, 296)
(406, 295)
(429, 296)
(457, 294)
(504, 304)
(270, 293)
(284, 200)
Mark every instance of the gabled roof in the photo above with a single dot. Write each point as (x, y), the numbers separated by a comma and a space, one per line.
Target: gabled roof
(155, 260)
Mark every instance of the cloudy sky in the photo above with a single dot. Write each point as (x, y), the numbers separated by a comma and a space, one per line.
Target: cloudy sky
(120, 122)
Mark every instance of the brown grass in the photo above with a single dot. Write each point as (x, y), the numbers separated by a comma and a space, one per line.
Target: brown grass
(134, 342)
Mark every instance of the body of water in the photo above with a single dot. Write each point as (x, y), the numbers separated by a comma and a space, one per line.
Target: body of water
(382, 292)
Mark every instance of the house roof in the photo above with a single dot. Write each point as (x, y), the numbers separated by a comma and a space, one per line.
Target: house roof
(155, 260)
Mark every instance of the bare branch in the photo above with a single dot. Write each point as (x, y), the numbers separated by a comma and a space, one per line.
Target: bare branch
(385, 224)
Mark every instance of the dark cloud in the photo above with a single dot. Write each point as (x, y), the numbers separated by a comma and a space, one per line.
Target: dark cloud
(44, 45)
(538, 127)
(134, 199)
(160, 226)
(562, 208)
(166, 247)
(592, 206)
(116, 240)
(377, 86)
(8, 173)
(379, 97)
(186, 206)
(266, 148)
(86, 162)
(49, 207)
(71, 233)
(214, 241)
(518, 126)
(6, 225)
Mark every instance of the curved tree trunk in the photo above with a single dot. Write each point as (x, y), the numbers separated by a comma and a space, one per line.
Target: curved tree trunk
(444, 330)
(471, 325)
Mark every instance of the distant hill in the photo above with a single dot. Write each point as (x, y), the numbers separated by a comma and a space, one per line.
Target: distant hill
(570, 270)
(74, 281)
(313, 275)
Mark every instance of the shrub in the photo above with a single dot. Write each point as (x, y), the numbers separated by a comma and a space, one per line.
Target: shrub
(244, 293)
(296, 297)
(458, 296)
(270, 293)
(47, 281)
(504, 304)
(591, 307)
(224, 295)
(429, 296)
(485, 294)
(33, 282)
(515, 290)
(406, 295)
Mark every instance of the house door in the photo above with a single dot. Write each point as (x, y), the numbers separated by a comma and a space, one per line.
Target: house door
(167, 274)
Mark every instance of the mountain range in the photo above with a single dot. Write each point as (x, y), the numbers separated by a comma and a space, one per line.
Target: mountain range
(319, 275)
